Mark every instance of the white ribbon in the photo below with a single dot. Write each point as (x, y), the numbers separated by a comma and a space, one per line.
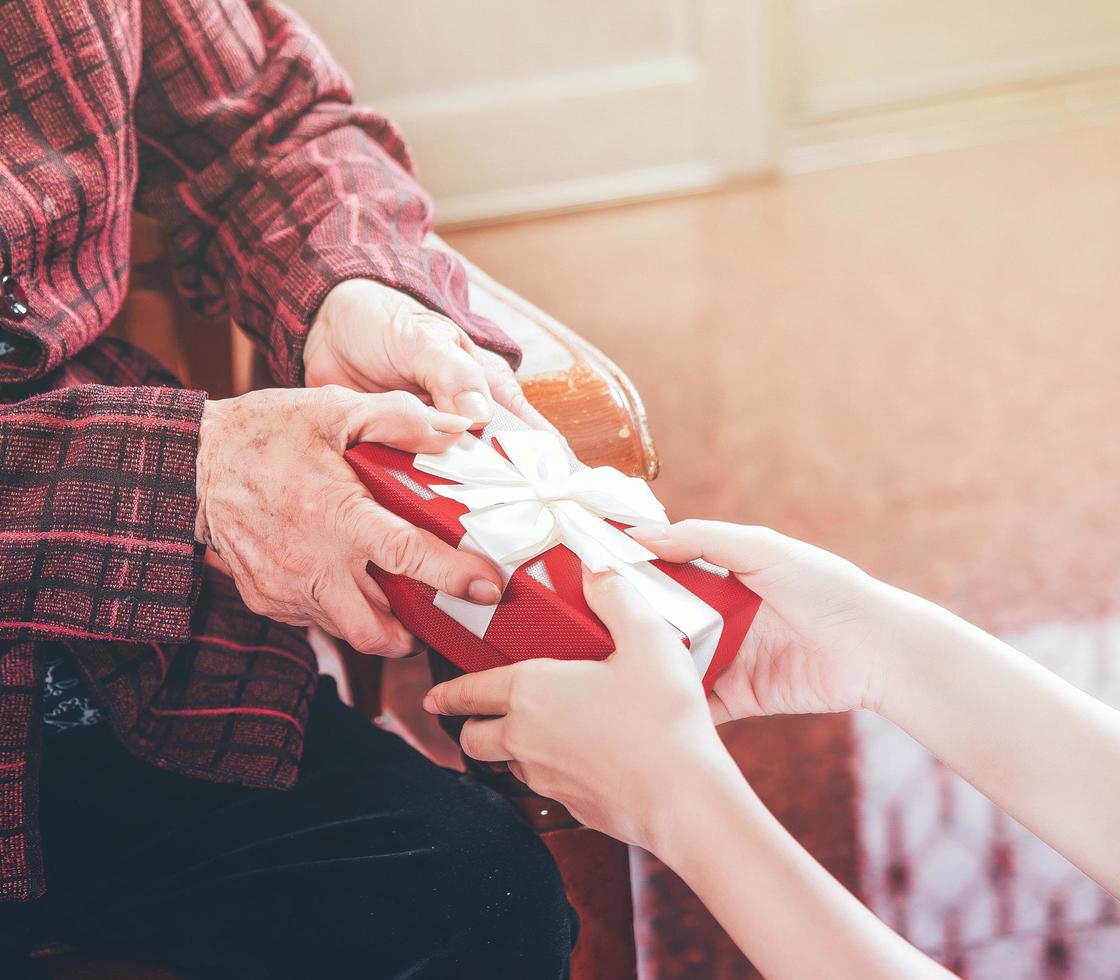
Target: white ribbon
(519, 508)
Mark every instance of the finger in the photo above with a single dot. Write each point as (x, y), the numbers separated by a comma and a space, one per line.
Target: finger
(623, 609)
(396, 546)
(443, 365)
(743, 549)
(380, 605)
(348, 615)
(484, 693)
(400, 419)
(518, 771)
(368, 586)
(507, 391)
(484, 739)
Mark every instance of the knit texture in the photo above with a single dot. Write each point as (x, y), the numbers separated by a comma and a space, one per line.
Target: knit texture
(228, 122)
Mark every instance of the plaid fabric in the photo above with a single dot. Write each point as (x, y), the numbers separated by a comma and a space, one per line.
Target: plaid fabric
(229, 123)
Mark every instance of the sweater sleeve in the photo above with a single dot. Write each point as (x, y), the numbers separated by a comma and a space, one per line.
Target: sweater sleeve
(273, 186)
(97, 514)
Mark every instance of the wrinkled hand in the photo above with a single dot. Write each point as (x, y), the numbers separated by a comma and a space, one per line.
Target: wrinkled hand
(370, 337)
(597, 736)
(822, 637)
(287, 514)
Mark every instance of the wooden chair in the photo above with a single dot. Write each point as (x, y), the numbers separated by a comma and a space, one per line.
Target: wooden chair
(594, 405)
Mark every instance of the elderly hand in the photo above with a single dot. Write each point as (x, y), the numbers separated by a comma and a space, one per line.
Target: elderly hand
(822, 638)
(599, 737)
(284, 510)
(370, 337)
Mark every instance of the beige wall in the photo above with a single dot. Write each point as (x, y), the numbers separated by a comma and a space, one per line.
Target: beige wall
(863, 55)
(878, 78)
(516, 106)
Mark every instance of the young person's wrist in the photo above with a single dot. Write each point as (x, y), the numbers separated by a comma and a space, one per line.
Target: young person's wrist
(922, 635)
(692, 802)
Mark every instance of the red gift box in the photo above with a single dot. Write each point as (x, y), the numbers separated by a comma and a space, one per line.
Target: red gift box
(543, 612)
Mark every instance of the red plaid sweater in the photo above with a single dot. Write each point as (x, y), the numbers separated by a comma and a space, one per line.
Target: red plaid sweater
(229, 123)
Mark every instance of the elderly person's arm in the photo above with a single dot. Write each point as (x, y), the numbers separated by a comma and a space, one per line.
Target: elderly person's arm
(97, 514)
(296, 212)
(107, 495)
(278, 193)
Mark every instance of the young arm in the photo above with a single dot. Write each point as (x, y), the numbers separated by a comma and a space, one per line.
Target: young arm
(829, 638)
(779, 905)
(1041, 749)
(633, 760)
(640, 759)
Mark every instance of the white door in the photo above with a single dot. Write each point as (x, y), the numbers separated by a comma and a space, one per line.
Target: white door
(515, 106)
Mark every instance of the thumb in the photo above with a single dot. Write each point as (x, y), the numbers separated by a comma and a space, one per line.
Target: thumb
(631, 620)
(742, 549)
(399, 419)
(444, 366)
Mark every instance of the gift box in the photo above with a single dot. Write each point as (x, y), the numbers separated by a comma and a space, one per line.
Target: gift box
(520, 498)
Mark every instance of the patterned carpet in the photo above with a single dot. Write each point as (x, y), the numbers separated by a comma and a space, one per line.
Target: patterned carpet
(961, 880)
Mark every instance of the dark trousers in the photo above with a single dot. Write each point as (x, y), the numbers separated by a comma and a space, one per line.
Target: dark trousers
(377, 864)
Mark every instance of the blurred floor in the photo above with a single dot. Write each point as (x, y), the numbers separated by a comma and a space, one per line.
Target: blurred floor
(916, 364)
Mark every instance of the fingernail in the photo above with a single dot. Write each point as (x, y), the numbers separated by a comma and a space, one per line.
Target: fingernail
(429, 704)
(474, 405)
(590, 576)
(446, 422)
(484, 592)
(648, 532)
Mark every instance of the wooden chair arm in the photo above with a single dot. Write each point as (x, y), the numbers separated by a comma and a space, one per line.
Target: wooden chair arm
(570, 382)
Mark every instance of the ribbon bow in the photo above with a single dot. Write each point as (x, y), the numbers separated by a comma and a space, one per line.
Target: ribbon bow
(522, 506)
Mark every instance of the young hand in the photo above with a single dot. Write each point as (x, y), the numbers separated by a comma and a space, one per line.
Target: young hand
(284, 510)
(600, 737)
(371, 337)
(628, 746)
(822, 637)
